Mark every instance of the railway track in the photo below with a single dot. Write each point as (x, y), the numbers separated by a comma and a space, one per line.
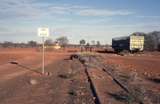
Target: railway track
(131, 93)
(92, 87)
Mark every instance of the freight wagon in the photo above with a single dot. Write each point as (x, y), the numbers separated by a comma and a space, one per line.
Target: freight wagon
(128, 43)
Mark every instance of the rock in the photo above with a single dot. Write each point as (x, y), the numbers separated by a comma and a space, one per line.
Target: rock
(82, 93)
(134, 76)
(33, 82)
(48, 73)
(94, 98)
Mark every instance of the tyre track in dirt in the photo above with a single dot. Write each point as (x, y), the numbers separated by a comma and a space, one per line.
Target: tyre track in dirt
(48, 90)
(27, 64)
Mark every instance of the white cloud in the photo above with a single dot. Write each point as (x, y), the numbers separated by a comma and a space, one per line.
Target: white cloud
(30, 9)
(103, 12)
(85, 11)
(18, 9)
(149, 17)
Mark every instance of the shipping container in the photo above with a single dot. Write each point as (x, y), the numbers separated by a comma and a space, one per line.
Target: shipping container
(129, 43)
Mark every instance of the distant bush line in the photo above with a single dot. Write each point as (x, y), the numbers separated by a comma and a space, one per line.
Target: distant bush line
(151, 43)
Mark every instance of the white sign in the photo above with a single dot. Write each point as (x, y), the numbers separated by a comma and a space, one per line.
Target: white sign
(43, 32)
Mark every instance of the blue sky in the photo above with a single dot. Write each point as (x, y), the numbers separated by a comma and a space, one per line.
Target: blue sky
(99, 20)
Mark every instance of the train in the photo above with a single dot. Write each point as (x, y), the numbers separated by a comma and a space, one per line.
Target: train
(128, 43)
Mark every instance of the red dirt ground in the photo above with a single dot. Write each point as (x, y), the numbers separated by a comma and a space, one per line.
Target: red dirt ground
(142, 63)
(16, 89)
(107, 88)
(29, 58)
(15, 84)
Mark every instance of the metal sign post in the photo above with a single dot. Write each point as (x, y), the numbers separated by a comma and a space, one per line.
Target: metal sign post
(43, 32)
(43, 59)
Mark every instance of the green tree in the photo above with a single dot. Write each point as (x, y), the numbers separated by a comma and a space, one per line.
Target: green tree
(32, 43)
(48, 42)
(98, 44)
(63, 41)
(82, 42)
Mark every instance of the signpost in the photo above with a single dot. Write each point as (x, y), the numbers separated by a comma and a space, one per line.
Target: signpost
(43, 32)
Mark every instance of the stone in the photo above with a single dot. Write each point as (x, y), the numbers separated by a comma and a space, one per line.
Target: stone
(33, 82)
